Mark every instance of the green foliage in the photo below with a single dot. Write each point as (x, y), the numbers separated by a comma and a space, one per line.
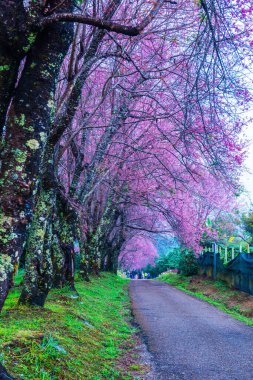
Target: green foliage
(188, 264)
(72, 337)
(174, 279)
(248, 223)
(4, 68)
(170, 260)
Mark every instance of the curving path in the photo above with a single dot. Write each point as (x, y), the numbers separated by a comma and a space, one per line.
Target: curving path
(188, 338)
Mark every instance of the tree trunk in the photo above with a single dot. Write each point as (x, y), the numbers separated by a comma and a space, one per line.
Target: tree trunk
(69, 265)
(83, 266)
(27, 128)
(8, 76)
(64, 252)
(41, 261)
(91, 253)
(57, 260)
(50, 256)
(39, 268)
(112, 260)
(14, 40)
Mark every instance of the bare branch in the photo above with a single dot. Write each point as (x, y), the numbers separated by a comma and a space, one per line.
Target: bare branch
(105, 24)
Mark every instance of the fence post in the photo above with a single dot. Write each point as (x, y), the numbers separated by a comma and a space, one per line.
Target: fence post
(233, 253)
(214, 262)
(226, 255)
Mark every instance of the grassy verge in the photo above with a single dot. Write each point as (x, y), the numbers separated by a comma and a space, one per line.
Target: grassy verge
(72, 337)
(234, 302)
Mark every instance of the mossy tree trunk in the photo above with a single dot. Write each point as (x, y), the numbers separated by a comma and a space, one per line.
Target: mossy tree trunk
(110, 253)
(65, 232)
(50, 253)
(112, 259)
(66, 236)
(39, 268)
(8, 76)
(110, 238)
(91, 252)
(57, 258)
(15, 38)
(27, 127)
(83, 264)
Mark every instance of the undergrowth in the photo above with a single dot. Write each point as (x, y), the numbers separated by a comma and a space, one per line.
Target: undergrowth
(221, 296)
(73, 337)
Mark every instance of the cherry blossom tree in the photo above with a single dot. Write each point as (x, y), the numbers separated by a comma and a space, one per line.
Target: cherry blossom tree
(137, 253)
(33, 53)
(135, 109)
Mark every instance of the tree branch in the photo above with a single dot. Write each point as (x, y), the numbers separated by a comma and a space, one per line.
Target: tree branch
(99, 23)
(105, 24)
(147, 230)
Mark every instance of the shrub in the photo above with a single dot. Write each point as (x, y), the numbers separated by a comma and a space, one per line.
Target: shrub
(188, 265)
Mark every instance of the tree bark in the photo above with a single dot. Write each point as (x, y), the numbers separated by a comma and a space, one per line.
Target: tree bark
(83, 266)
(16, 38)
(91, 254)
(57, 259)
(50, 254)
(112, 260)
(39, 268)
(28, 125)
(64, 252)
(8, 76)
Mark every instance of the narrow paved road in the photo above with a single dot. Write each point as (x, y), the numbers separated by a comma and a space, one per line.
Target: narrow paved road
(188, 338)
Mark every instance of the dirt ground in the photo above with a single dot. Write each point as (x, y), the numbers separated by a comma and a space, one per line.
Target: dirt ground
(136, 361)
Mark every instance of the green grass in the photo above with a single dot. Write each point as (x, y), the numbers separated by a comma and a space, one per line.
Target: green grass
(224, 292)
(71, 338)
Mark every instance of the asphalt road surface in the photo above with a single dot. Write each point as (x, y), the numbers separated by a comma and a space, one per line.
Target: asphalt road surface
(188, 338)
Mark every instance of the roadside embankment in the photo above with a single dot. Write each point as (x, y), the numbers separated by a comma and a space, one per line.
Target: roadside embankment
(82, 337)
(232, 301)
